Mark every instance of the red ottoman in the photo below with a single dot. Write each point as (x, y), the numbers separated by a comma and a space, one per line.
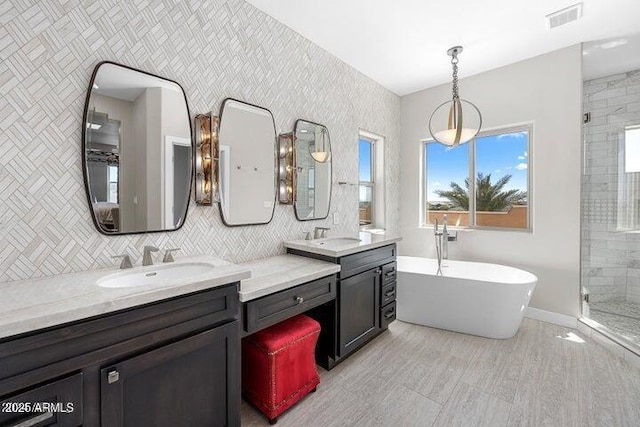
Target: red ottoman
(279, 366)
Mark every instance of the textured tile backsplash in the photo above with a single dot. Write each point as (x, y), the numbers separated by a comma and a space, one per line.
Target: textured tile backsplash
(610, 267)
(214, 49)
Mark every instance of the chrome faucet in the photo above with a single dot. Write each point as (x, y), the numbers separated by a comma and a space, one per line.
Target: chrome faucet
(442, 241)
(438, 237)
(445, 238)
(168, 257)
(146, 257)
(320, 232)
(126, 261)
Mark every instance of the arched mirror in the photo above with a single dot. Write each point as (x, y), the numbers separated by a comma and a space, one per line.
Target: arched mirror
(136, 151)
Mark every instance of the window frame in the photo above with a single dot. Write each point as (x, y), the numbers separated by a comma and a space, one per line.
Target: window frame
(371, 184)
(529, 128)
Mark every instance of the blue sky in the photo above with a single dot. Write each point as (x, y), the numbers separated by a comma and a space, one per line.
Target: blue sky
(364, 166)
(498, 155)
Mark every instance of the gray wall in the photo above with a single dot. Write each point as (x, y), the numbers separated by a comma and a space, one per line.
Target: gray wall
(610, 266)
(214, 49)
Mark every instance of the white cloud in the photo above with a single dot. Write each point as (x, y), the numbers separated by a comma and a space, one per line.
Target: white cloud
(521, 157)
(521, 166)
(526, 154)
(497, 170)
(518, 135)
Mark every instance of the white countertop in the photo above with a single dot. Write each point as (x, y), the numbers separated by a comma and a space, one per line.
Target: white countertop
(29, 305)
(282, 272)
(329, 248)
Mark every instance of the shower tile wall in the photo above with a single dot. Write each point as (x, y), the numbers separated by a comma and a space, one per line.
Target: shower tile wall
(214, 49)
(610, 259)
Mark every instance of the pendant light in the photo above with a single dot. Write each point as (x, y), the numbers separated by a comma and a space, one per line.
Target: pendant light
(321, 152)
(461, 113)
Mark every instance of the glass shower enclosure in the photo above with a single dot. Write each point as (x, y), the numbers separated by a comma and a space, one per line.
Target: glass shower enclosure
(610, 241)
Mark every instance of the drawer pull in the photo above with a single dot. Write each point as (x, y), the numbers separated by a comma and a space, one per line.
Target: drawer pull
(113, 377)
(299, 300)
(390, 314)
(390, 274)
(390, 293)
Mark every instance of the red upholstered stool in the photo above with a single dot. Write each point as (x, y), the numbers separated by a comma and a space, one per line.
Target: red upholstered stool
(279, 366)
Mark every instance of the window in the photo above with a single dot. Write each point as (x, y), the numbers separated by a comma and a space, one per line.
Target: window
(371, 196)
(366, 188)
(632, 149)
(629, 181)
(482, 184)
(112, 197)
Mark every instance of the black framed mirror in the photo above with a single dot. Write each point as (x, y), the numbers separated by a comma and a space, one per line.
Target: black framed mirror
(313, 170)
(136, 151)
(247, 165)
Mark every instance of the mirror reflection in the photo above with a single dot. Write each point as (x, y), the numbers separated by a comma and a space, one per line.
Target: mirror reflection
(137, 151)
(313, 170)
(247, 139)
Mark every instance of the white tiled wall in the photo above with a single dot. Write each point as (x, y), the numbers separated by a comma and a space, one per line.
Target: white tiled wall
(610, 266)
(214, 49)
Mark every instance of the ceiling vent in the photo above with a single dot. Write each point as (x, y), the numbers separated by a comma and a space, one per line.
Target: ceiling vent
(564, 16)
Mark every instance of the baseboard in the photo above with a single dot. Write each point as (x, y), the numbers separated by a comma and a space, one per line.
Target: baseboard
(551, 317)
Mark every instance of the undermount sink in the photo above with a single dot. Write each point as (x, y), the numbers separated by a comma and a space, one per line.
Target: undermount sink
(152, 275)
(336, 241)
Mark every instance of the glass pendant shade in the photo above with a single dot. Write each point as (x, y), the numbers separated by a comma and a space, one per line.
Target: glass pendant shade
(456, 121)
(453, 123)
(320, 150)
(320, 156)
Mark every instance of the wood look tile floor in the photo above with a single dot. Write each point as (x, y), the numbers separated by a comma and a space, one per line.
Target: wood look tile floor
(411, 375)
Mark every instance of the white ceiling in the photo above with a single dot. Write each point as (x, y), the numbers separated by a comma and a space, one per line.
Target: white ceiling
(610, 56)
(402, 44)
(124, 83)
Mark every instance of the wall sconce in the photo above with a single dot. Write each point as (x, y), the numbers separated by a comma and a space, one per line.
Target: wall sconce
(207, 159)
(286, 169)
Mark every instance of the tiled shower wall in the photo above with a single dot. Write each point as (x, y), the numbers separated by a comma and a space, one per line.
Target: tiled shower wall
(214, 49)
(610, 258)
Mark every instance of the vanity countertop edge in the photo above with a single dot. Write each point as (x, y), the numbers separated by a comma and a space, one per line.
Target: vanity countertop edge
(367, 241)
(34, 304)
(278, 273)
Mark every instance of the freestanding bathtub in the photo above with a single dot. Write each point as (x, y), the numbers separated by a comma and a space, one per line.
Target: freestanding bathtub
(475, 298)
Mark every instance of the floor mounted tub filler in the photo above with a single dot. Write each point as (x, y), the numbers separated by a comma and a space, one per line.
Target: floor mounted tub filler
(475, 298)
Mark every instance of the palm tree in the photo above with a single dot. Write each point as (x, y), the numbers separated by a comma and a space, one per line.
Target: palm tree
(489, 197)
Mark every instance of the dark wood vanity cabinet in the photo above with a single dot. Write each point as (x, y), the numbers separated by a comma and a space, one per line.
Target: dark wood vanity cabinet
(184, 383)
(359, 310)
(364, 306)
(173, 362)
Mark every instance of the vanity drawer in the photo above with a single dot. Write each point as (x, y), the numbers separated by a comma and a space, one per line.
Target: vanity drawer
(387, 315)
(389, 273)
(274, 308)
(388, 294)
(351, 265)
(63, 399)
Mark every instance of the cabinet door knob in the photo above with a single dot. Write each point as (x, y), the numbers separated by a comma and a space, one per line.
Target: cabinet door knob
(113, 376)
(299, 300)
(378, 271)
